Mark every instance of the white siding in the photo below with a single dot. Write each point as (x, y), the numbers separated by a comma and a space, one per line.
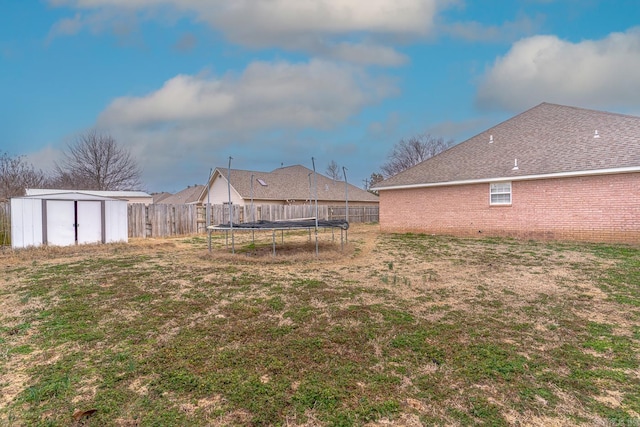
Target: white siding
(219, 193)
(116, 221)
(26, 223)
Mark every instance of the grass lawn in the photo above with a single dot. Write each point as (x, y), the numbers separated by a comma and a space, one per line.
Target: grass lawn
(398, 329)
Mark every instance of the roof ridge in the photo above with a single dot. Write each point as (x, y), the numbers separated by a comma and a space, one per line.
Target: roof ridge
(592, 110)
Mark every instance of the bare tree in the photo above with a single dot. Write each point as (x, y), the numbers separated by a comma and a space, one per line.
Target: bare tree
(333, 171)
(96, 162)
(16, 175)
(409, 152)
(372, 181)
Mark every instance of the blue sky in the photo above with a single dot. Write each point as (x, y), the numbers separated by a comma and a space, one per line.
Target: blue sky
(184, 84)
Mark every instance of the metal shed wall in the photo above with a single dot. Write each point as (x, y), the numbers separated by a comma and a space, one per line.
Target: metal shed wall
(67, 219)
(26, 222)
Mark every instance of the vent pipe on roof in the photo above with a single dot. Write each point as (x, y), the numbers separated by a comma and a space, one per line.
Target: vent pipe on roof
(515, 167)
(490, 139)
(596, 134)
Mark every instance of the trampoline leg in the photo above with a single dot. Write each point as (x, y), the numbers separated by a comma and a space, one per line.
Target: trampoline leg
(274, 242)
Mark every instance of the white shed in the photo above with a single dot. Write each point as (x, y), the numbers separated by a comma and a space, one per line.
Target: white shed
(65, 219)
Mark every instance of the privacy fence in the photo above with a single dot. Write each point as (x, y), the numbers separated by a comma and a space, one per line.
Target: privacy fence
(160, 220)
(5, 223)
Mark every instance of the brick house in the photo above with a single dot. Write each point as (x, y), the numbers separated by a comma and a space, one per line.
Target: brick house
(552, 172)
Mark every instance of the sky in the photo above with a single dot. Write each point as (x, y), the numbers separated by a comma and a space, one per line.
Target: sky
(186, 84)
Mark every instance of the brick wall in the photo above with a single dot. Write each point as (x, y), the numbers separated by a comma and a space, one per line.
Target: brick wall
(602, 208)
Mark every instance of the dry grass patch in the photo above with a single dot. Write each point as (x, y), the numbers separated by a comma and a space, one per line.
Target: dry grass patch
(383, 330)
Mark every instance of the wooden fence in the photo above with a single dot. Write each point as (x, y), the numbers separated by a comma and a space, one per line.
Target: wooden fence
(162, 220)
(5, 223)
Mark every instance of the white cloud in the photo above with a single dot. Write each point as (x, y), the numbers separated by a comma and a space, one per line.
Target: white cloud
(259, 113)
(253, 20)
(121, 24)
(316, 94)
(592, 73)
(45, 158)
(330, 28)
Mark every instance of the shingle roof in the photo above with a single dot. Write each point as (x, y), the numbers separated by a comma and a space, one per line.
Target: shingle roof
(186, 196)
(547, 139)
(158, 197)
(292, 183)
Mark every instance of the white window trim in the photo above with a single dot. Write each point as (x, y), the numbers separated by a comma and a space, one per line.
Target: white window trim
(491, 193)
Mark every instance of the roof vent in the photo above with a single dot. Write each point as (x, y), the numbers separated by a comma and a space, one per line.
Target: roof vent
(515, 166)
(261, 182)
(490, 139)
(596, 134)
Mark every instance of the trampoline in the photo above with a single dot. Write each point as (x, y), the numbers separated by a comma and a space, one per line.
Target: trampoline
(273, 226)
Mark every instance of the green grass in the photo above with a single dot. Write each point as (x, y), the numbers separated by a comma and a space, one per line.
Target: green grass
(435, 330)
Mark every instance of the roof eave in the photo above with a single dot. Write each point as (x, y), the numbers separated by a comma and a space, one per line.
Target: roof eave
(610, 171)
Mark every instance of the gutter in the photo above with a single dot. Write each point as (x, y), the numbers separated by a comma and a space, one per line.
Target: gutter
(610, 171)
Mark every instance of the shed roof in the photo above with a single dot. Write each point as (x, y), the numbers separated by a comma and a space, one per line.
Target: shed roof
(112, 194)
(69, 195)
(290, 183)
(547, 140)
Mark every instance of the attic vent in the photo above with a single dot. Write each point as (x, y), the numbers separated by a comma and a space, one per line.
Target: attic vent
(490, 139)
(261, 182)
(515, 166)
(596, 134)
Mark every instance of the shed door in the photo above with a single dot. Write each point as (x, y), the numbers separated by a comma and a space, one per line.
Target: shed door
(61, 219)
(89, 222)
(70, 222)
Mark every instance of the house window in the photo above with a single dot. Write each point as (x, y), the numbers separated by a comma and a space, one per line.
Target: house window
(500, 193)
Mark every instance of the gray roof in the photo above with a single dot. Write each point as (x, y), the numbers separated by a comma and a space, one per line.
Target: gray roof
(183, 197)
(547, 140)
(158, 197)
(292, 183)
(108, 194)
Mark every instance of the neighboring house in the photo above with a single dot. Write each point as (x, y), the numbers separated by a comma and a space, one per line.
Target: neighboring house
(158, 197)
(129, 196)
(552, 172)
(188, 196)
(291, 185)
